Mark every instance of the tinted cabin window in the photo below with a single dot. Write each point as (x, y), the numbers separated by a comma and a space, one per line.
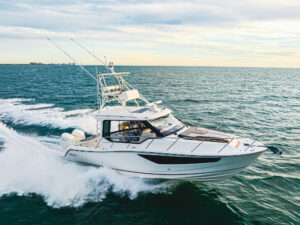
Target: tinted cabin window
(167, 125)
(129, 131)
(106, 128)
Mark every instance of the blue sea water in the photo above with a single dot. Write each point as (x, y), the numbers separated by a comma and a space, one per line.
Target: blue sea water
(40, 102)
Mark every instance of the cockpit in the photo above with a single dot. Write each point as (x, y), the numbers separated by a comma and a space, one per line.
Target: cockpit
(138, 131)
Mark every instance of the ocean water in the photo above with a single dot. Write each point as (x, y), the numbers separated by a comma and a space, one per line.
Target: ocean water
(39, 103)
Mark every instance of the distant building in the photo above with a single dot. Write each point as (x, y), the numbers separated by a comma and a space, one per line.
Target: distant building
(35, 63)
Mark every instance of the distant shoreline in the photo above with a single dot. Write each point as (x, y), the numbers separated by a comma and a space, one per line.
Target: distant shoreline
(38, 64)
(73, 64)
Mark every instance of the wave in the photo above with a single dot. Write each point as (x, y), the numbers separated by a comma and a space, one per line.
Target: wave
(15, 111)
(27, 166)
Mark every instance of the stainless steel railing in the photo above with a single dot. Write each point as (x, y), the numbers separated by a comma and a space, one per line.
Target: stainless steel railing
(176, 139)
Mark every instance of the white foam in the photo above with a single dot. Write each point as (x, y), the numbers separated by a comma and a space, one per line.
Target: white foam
(45, 115)
(27, 166)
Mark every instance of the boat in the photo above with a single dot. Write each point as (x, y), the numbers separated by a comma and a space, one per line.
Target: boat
(140, 138)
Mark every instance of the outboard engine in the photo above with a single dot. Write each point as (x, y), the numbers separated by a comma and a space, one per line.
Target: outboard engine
(66, 140)
(78, 135)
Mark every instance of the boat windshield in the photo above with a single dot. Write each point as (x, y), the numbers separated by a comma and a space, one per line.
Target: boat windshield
(167, 124)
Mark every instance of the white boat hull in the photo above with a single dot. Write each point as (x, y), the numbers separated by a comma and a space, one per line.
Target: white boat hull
(132, 163)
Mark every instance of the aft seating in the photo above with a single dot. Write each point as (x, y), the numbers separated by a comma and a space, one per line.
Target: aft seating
(91, 142)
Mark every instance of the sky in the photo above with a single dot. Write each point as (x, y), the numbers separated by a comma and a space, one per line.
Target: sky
(256, 33)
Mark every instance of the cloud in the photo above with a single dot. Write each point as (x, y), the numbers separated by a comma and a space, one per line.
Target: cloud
(248, 28)
(74, 15)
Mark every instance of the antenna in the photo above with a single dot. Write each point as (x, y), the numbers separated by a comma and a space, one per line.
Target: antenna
(67, 54)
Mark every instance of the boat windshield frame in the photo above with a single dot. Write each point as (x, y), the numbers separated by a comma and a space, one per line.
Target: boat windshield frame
(173, 128)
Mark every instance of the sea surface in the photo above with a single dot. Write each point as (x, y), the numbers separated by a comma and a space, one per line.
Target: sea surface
(40, 102)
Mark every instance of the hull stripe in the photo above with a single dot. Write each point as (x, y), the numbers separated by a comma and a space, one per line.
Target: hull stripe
(163, 159)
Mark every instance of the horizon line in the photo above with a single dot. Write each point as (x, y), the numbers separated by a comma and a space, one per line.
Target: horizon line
(72, 64)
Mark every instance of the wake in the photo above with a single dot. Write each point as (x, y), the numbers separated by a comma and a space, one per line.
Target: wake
(31, 164)
(45, 115)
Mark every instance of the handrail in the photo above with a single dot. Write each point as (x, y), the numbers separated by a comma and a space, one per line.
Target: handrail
(226, 145)
(254, 138)
(172, 144)
(183, 138)
(197, 146)
(149, 143)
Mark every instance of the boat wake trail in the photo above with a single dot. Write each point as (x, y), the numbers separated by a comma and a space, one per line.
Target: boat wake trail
(28, 166)
(45, 115)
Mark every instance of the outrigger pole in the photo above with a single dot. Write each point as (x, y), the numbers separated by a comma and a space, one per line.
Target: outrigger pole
(100, 85)
(67, 54)
(76, 42)
(107, 67)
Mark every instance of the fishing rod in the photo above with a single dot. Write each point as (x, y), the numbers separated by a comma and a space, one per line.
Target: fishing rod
(67, 54)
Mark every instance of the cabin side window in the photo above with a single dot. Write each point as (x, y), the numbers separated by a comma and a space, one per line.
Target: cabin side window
(106, 128)
(127, 131)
